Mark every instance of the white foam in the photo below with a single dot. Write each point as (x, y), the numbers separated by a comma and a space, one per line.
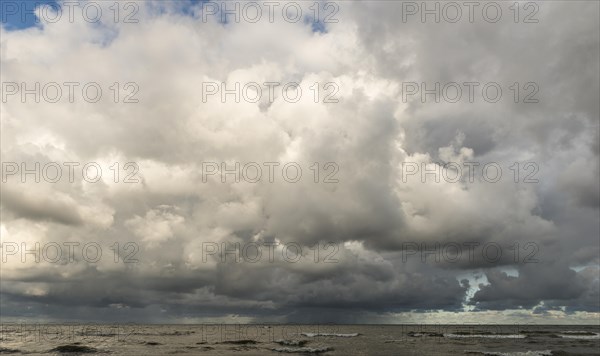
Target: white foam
(313, 350)
(524, 353)
(418, 334)
(291, 342)
(573, 335)
(486, 336)
(328, 334)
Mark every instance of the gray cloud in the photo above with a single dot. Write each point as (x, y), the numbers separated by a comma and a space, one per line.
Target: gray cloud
(369, 214)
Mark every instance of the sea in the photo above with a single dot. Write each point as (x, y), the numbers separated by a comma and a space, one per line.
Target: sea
(278, 339)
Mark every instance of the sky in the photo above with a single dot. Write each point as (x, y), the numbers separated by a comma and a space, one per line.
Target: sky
(332, 162)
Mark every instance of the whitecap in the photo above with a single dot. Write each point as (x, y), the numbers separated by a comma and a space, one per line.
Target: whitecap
(329, 334)
(487, 336)
(312, 350)
(514, 353)
(291, 342)
(573, 335)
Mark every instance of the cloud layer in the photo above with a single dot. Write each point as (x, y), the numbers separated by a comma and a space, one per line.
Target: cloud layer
(374, 214)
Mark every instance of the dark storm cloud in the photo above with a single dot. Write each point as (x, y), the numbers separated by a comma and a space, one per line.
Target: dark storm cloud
(533, 285)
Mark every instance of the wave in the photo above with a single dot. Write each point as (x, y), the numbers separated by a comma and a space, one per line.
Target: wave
(578, 332)
(239, 342)
(291, 342)
(417, 334)
(310, 350)
(513, 353)
(579, 335)
(152, 343)
(74, 348)
(329, 334)
(6, 350)
(487, 336)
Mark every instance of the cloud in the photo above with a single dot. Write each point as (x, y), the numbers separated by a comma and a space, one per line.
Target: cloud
(534, 285)
(355, 197)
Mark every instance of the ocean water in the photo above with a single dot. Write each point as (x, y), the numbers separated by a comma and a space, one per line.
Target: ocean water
(236, 339)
